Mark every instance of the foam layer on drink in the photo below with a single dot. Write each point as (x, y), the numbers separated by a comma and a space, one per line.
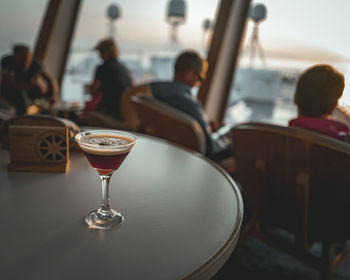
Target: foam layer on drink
(105, 144)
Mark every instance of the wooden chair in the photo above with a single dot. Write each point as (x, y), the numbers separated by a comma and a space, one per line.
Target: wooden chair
(130, 120)
(127, 108)
(298, 181)
(163, 121)
(99, 119)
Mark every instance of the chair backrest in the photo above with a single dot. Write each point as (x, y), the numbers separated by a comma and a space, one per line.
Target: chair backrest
(163, 121)
(127, 110)
(298, 179)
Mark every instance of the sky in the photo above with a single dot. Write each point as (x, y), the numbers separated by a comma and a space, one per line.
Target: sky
(312, 24)
(144, 22)
(19, 21)
(290, 24)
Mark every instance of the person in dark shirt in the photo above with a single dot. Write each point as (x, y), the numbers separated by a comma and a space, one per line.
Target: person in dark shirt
(24, 80)
(190, 70)
(110, 81)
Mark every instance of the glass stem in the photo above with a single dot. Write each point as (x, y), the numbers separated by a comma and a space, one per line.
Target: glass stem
(105, 192)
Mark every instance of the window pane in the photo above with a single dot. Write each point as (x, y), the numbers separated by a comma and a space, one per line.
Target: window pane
(143, 35)
(19, 23)
(293, 36)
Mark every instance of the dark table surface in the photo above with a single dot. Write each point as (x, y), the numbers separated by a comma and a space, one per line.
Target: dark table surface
(182, 218)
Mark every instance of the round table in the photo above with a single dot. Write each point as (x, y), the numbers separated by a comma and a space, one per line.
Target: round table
(182, 218)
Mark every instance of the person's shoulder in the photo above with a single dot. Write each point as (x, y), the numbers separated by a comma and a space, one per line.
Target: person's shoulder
(122, 67)
(180, 89)
(170, 89)
(185, 97)
(339, 125)
(115, 66)
(160, 84)
(293, 122)
(100, 67)
(114, 63)
(8, 60)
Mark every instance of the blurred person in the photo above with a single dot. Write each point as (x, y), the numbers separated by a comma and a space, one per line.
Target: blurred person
(318, 91)
(111, 79)
(189, 71)
(23, 80)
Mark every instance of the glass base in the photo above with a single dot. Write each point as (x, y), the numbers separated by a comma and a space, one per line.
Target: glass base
(103, 219)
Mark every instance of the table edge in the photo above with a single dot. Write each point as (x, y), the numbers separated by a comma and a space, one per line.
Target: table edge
(215, 262)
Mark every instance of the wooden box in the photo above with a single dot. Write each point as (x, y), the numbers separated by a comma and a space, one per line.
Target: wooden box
(38, 149)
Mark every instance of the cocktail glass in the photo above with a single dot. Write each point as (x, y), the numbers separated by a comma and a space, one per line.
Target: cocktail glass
(106, 151)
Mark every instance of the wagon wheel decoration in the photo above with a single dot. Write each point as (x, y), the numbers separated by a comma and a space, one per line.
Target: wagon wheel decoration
(52, 147)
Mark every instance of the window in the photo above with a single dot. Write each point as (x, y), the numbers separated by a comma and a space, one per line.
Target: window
(19, 23)
(144, 38)
(293, 36)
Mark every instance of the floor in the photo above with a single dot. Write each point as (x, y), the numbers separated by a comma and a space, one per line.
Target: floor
(255, 260)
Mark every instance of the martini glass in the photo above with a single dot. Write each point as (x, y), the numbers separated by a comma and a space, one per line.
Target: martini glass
(105, 150)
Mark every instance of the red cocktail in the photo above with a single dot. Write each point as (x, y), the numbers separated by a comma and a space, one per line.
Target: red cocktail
(105, 163)
(106, 151)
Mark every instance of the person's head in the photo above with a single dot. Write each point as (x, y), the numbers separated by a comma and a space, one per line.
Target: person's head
(318, 90)
(190, 68)
(22, 55)
(108, 49)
